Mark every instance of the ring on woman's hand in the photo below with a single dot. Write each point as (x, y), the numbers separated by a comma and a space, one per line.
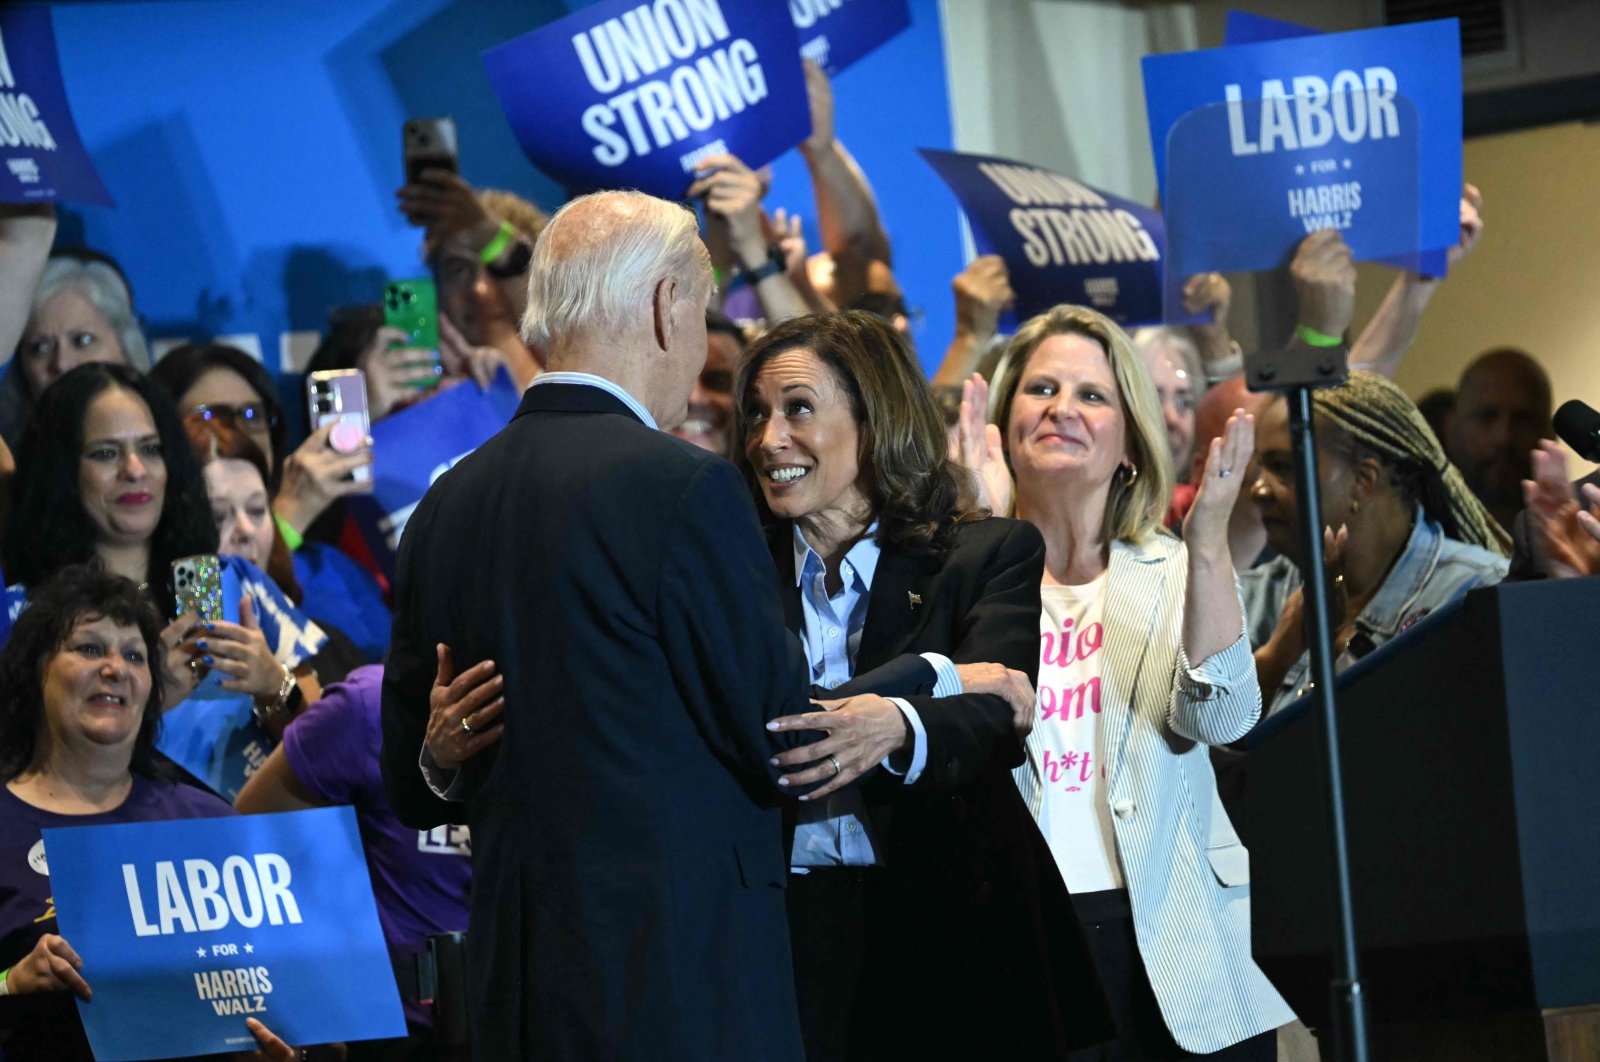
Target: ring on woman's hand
(1225, 473)
(194, 665)
(837, 770)
(464, 725)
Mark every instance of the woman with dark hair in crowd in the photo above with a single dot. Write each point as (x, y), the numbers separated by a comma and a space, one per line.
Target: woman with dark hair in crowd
(1143, 664)
(1404, 534)
(330, 587)
(80, 705)
(911, 893)
(105, 472)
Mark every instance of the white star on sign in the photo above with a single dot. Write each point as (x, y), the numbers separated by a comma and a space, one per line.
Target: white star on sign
(200, 952)
(1347, 164)
(1299, 169)
(249, 948)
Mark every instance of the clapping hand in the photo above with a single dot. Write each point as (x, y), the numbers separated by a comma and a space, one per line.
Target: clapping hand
(977, 447)
(1206, 528)
(1565, 536)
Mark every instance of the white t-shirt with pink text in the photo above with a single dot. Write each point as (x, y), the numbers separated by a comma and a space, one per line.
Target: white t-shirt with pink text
(1068, 742)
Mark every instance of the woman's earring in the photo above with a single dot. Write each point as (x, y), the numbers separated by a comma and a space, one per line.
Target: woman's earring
(1355, 506)
(1133, 473)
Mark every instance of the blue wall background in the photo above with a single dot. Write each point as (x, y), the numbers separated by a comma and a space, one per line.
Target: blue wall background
(253, 148)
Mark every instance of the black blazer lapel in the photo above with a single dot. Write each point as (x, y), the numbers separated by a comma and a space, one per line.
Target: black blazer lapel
(897, 608)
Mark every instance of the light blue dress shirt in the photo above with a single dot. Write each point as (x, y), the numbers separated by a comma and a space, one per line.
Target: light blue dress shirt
(836, 832)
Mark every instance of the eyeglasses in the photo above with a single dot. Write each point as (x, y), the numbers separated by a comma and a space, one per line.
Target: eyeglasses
(251, 415)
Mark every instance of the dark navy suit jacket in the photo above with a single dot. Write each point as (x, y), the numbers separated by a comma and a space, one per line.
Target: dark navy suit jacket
(628, 873)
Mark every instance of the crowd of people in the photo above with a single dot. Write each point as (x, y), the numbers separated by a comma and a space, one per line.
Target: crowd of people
(871, 716)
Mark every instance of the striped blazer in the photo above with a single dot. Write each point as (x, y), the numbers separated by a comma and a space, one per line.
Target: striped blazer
(1188, 877)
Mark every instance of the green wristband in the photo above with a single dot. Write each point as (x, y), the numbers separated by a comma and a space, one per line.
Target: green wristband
(291, 538)
(1312, 338)
(497, 246)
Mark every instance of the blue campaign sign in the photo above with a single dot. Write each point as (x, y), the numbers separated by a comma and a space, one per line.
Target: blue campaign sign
(1062, 241)
(45, 161)
(1242, 27)
(1259, 144)
(414, 447)
(623, 94)
(836, 33)
(188, 927)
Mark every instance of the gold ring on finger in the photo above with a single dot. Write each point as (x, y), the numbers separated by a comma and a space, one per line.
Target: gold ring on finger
(464, 725)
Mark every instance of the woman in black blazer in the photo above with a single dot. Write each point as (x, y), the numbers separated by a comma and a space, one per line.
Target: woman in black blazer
(926, 913)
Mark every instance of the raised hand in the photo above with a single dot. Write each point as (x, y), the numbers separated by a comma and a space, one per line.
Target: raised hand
(463, 710)
(315, 476)
(1324, 272)
(983, 292)
(1205, 530)
(1564, 535)
(978, 447)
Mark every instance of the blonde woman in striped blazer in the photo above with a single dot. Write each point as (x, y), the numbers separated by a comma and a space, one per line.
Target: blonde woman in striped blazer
(1144, 664)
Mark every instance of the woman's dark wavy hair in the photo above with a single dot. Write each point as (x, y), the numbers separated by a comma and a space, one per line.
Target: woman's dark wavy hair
(48, 528)
(180, 367)
(77, 592)
(918, 494)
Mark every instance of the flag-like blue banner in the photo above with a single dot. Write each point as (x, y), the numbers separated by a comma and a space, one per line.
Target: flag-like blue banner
(623, 94)
(836, 33)
(1259, 144)
(44, 160)
(414, 447)
(188, 927)
(1062, 240)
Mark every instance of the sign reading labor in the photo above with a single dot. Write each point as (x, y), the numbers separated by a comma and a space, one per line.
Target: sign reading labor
(627, 94)
(414, 447)
(188, 927)
(836, 33)
(1061, 240)
(1258, 145)
(43, 159)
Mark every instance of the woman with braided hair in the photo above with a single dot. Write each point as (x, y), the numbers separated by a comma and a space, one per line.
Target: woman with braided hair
(1404, 535)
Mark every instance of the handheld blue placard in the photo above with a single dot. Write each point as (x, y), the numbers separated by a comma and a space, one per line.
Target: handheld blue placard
(414, 447)
(188, 927)
(1356, 131)
(836, 33)
(1243, 27)
(1062, 240)
(44, 159)
(623, 94)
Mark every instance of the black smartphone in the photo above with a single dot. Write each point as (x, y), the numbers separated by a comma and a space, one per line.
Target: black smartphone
(429, 144)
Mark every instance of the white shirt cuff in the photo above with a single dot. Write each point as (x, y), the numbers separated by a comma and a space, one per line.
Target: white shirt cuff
(949, 684)
(919, 743)
(446, 785)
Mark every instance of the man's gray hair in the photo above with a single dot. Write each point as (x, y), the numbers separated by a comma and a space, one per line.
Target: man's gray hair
(597, 263)
(106, 292)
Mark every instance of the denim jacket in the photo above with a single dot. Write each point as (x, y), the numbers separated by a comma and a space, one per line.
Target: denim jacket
(1431, 571)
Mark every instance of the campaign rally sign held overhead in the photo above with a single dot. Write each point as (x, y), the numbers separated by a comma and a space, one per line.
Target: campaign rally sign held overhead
(44, 160)
(623, 94)
(414, 447)
(836, 33)
(186, 928)
(1258, 145)
(1062, 241)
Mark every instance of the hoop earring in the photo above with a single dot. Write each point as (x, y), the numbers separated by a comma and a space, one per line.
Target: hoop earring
(1133, 473)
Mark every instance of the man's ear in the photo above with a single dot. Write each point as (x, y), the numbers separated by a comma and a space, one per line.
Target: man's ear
(666, 296)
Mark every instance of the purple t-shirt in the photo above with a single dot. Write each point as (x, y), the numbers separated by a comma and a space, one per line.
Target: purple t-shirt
(46, 1025)
(420, 878)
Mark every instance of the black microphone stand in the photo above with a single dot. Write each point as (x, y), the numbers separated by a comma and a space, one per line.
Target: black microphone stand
(1295, 372)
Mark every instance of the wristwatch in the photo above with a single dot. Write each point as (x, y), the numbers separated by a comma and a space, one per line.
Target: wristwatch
(770, 268)
(285, 704)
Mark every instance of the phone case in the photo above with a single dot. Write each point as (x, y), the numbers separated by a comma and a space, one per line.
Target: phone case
(428, 143)
(197, 585)
(339, 397)
(412, 306)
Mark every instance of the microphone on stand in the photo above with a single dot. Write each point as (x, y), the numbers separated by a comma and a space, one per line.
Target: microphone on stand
(1578, 425)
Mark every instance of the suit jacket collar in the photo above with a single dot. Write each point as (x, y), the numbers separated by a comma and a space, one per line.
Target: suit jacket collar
(572, 398)
(899, 576)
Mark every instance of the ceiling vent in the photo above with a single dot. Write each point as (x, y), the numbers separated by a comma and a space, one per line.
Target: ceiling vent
(1488, 28)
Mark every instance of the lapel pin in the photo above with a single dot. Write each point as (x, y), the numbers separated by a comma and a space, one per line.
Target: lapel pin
(914, 599)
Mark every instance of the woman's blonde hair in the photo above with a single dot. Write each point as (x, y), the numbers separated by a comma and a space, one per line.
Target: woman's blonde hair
(1138, 502)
